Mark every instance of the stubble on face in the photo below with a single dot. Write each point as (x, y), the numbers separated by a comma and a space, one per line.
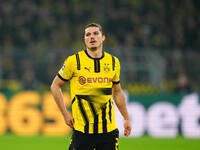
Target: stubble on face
(92, 48)
(93, 31)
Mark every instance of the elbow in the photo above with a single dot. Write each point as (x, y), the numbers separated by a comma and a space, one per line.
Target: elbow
(52, 87)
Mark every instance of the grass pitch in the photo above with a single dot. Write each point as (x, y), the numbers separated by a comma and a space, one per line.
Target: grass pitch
(12, 142)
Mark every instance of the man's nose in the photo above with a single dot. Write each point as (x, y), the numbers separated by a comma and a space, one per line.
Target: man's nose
(92, 37)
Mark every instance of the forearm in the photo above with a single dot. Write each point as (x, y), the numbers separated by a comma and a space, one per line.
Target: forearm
(119, 98)
(58, 97)
(121, 104)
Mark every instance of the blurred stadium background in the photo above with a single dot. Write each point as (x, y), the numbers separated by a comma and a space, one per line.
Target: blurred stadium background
(157, 42)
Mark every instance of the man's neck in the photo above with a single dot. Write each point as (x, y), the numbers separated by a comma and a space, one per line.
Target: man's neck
(96, 53)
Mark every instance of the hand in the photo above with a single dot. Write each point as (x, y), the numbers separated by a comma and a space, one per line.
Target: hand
(69, 120)
(127, 127)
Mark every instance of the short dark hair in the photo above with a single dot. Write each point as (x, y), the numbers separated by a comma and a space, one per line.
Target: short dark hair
(95, 25)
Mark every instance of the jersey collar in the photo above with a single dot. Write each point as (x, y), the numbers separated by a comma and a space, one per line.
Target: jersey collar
(93, 57)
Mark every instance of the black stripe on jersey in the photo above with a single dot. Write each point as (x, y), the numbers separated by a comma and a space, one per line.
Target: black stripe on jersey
(73, 100)
(78, 61)
(113, 63)
(116, 82)
(96, 65)
(102, 91)
(85, 97)
(62, 78)
(83, 113)
(110, 110)
(106, 91)
(104, 123)
(95, 127)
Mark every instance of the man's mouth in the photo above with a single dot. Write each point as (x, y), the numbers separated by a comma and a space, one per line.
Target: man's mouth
(92, 42)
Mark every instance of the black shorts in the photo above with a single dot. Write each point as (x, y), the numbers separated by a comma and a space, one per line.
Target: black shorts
(104, 141)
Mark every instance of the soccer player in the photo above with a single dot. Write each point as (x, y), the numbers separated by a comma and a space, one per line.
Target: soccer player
(94, 77)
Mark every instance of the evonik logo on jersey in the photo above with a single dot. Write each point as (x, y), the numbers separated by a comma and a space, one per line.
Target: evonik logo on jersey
(83, 80)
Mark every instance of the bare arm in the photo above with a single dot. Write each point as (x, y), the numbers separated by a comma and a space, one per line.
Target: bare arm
(119, 99)
(56, 86)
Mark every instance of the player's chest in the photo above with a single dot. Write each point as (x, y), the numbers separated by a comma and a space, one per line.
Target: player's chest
(95, 71)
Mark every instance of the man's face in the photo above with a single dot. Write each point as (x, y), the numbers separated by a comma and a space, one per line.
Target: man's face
(93, 38)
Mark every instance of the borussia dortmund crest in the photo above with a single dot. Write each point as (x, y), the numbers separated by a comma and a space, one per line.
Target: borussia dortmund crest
(106, 67)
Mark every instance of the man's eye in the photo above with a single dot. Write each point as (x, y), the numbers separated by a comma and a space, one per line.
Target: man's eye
(88, 34)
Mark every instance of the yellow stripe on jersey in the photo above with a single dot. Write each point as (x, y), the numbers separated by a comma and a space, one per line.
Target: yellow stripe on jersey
(84, 115)
(95, 116)
(91, 81)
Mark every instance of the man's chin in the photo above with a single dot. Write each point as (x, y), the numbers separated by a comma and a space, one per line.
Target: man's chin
(93, 48)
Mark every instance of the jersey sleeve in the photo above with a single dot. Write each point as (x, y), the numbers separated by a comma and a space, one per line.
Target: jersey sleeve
(116, 78)
(67, 70)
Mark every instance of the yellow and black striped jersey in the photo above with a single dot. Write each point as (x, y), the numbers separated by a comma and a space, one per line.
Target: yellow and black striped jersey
(91, 81)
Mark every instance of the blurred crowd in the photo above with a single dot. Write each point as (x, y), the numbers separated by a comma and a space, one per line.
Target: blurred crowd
(46, 30)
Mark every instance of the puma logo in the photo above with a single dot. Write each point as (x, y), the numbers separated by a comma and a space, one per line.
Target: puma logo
(88, 69)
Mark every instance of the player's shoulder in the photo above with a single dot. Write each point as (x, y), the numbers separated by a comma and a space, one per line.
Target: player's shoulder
(110, 55)
(73, 56)
(80, 53)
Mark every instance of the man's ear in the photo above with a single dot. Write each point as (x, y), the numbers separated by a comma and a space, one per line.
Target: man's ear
(104, 37)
